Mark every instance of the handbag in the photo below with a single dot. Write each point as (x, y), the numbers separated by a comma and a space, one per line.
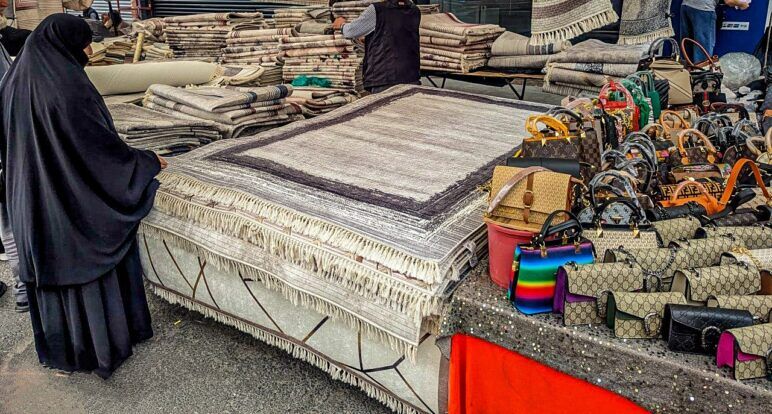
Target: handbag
(533, 277)
(552, 141)
(581, 291)
(735, 112)
(590, 143)
(523, 198)
(706, 76)
(753, 237)
(696, 329)
(587, 215)
(662, 86)
(660, 264)
(714, 126)
(698, 284)
(701, 172)
(626, 228)
(675, 229)
(662, 145)
(760, 306)
(671, 69)
(766, 156)
(650, 90)
(760, 258)
(625, 109)
(673, 123)
(636, 88)
(698, 154)
(559, 165)
(666, 191)
(748, 350)
(734, 176)
(743, 217)
(702, 197)
(638, 315)
(690, 209)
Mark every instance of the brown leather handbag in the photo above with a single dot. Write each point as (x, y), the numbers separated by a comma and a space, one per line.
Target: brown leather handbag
(550, 138)
(673, 123)
(698, 154)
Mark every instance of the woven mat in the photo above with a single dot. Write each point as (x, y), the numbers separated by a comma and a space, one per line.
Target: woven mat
(644, 21)
(554, 21)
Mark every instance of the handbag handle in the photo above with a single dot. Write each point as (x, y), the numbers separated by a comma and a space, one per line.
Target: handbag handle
(747, 127)
(701, 188)
(750, 143)
(668, 115)
(659, 131)
(612, 86)
(688, 133)
(724, 108)
(647, 77)
(532, 126)
(510, 184)
(559, 110)
(731, 182)
(637, 211)
(547, 229)
(626, 179)
(709, 60)
(674, 53)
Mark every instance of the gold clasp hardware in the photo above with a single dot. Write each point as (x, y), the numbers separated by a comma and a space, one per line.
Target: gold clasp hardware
(577, 247)
(543, 141)
(543, 250)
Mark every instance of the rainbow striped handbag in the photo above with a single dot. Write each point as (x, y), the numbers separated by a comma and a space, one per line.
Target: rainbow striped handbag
(535, 265)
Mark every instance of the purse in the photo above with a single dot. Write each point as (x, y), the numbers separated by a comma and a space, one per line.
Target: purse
(559, 165)
(760, 306)
(696, 329)
(581, 291)
(703, 197)
(650, 90)
(666, 191)
(620, 223)
(735, 112)
(533, 278)
(753, 237)
(748, 350)
(638, 315)
(625, 110)
(662, 145)
(675, 229)
(522, 199)
(706, 77)
(590, 143)
(671, 69)
(699, 154)
(552, 141)
(698, 284)
(690, 209)
(673, 123)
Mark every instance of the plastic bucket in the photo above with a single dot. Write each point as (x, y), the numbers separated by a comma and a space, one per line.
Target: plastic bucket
(501, 250)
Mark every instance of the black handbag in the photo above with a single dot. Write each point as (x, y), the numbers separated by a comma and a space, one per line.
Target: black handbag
(662, 86)
(696, 329)
(570, 167)
(691, 208)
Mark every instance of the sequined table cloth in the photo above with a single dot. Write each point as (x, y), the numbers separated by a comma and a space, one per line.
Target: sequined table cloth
(644, 371)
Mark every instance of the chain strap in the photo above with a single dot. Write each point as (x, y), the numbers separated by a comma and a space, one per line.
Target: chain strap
(656, 274)
(745, 252)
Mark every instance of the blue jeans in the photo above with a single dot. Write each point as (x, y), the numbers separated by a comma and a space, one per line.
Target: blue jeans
(701, 26)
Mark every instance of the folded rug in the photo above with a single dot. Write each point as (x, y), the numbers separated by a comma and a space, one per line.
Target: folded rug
(513, 44)
(554, 21)
(644, 21)
(572, 77)
(596, 51)
(450, 45)
(518, 62)
(619, 70)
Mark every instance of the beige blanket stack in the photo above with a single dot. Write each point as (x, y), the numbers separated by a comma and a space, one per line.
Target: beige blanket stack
(291, 17)
(450, 45)
(350, 10)
(204, 35)
(253, 46)
(247, 75)
(318, 101)
(515, 52)
(331, 59)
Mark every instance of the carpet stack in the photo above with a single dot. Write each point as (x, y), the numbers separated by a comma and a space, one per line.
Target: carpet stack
(319, 101)
(350, 10)
(235, 111)
(204, 35)
(151, 130)
(428, 8)
(514, 52)
(157, 51)
(291, 17)
(322, 60)
(450, 45)
(253, 46)
(587, 66)
(247, 75)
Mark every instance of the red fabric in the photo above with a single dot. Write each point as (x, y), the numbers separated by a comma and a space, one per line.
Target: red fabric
(486, 378)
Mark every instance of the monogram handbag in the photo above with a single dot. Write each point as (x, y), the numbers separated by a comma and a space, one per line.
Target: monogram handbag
(590, 143)
(553, 140)
(752, 237)
(673, 123)
(675, 229)
(760, 306)
(581, 291)
(534, 273)
(523, 198)
(760, 258)
(706, 77)
(638, 315)
(702, 153)
(659, 265)
(696, 329)
(735, 112)
(666, 191)
(625, 110)
(699, 284)
(703, 197)
(620, 223)
(743, 217)
(662, 144)
(619, 185)
(748, 350)
(700, 172)
(670, 68)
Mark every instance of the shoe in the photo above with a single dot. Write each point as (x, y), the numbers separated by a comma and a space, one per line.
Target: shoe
(22, 307)
(3, 288)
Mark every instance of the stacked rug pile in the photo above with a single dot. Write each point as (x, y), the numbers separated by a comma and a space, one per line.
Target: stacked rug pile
(204, 35)
(157, 51)
(515, 52)
(151, 130)
(235, 111)
(587, 66)
(428, 8)
(450, 45)
(350, 10)
(253, 46)
(112, 51)
(322, 60)
(153, 29)
(247, 75)
(318, 101)
(291, 17)
(338, 239)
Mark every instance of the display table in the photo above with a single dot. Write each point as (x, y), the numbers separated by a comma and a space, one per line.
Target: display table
(490, 77)
(644, 371)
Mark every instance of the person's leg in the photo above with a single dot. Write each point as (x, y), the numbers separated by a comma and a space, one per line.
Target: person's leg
(704, 32)
(686, 29)
(19, 288)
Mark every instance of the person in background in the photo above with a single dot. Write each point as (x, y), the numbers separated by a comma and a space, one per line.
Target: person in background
(698, 22)
(12, 38)
(392, 48)
(75, 194)
(90, 14)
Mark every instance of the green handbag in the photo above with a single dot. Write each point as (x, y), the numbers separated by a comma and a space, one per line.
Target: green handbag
(651, 91)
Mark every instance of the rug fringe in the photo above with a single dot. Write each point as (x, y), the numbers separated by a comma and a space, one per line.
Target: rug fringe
(299, 298)
(261, 211)
(646, 37)
(298, 352)
(573, 30)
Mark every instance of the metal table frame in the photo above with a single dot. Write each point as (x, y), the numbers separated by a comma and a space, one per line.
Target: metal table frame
(486, 77)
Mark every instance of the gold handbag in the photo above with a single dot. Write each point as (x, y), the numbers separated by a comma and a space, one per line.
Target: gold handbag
(697, 285)
(523, 198)
(639, 315)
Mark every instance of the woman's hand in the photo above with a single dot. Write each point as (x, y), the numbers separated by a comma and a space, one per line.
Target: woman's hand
(162, 162)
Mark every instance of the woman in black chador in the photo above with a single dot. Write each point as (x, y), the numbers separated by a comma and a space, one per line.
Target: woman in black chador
(75, 195)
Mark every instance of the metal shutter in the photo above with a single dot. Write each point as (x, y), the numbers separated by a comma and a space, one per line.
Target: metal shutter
(163, 8)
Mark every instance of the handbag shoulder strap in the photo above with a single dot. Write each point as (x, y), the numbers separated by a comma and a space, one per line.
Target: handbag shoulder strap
(686, 133)
(701, 188)
(676, 118)
(709, 60)
(511, 183)
(731, 182)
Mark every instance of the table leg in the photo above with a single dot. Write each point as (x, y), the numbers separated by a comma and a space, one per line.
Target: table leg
(444, 78)
(521, 94)
(432, 81)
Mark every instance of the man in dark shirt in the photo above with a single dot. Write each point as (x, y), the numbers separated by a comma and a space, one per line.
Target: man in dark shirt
(392, 50)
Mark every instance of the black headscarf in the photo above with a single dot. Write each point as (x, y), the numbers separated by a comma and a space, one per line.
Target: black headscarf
(75, 192)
